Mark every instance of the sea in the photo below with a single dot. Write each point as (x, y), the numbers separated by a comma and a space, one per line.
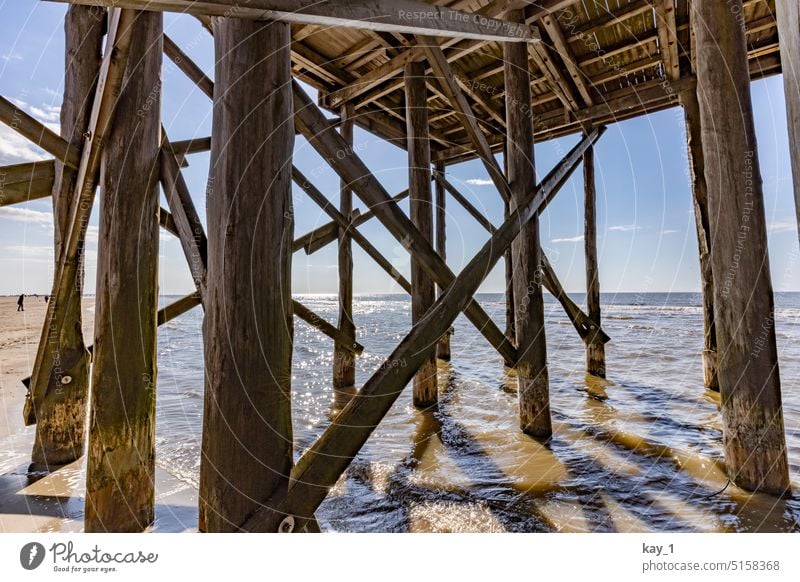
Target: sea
(638, 452)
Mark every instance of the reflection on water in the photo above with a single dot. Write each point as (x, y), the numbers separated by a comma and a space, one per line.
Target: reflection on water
(641, 451)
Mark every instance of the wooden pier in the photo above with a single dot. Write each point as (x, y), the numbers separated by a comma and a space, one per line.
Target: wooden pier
(445, 80)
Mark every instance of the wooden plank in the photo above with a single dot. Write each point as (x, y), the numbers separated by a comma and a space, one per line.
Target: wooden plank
(691, 112)
(450, 87)
(543, 58)
(107, 89)
(321, 465)
(749, 381)
(668, 38)
(38, 133)
(195, 145)
(788, 17)
(346, 342)
(344, 368)
(311, 122)
(120, 467)
(423, 290)
(188, 224)
(247, 426)
(401, 16)
(443, 347)
(61, 413)
(532, 375)
(25, 182)
(561, 44)
(595, 349)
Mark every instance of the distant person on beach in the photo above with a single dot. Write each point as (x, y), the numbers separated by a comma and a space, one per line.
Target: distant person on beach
(47, 299)
(20, 301)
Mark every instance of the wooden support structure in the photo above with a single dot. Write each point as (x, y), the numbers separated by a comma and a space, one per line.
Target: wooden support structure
(423, 291)
(691, 113)
(248, 329)
(754, 441)
(344, 364)
(120, 470)
(443, 347)
(322, 464)
(401, 16)
(788, 18)
(532, 375)
(595, 348)
(350, 168)
(61, 413)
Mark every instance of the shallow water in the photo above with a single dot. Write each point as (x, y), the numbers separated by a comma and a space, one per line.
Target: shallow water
(639, 452)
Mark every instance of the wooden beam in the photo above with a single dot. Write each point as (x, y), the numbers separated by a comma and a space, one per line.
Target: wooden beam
(558, 82)
(532, 373)
(107, 90)
(61, 413)
(327, 142)
(38, 133)
(443, 347)
(749, 381)
(120, 466)
(595, 350)
(247, 426)
(668, 38)
(344, 368)
(342, 339)
(450, 87)
(691, 112)
(188, 224)
(401, 16)
(188, 66)
(423, 290)
(25, 182)
(788, 17)
(565, 52)
(322, 464)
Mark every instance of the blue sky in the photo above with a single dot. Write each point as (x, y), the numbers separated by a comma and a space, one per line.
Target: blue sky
(646, 235)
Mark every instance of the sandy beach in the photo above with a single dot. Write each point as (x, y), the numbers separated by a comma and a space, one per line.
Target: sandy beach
(39, 502)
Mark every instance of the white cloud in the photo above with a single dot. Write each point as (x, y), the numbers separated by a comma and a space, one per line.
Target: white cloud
(28, 253)
(47, 114)
(11, 57)
(669, 231)
(624, 227)
(478, 182)
(15, 149)
(27, 215)
(781, 226)
(568, 239)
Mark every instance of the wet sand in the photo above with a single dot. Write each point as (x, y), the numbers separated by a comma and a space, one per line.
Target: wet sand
(37, 502)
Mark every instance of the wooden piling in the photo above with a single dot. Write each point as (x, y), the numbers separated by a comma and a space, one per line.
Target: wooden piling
(691, 112)
(532, 375)
(423, 293)
(749, 381)
(344, 365)
(788, 19)
(595, 349)
(248, 328)
(443, 347)
(120, 492)
(61, 413)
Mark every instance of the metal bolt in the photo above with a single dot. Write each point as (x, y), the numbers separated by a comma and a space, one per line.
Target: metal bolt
(66, 379)
(287, 525)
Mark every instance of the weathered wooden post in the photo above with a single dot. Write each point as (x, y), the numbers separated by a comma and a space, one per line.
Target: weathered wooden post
(423, 292)
(691, 112)
(61, 414)
(247, 427)
(532, 375)
(749, 381)
(595, 349)
(443, 347)
(120, 493)
(510, 330)
(788, 18)
(344, 365)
